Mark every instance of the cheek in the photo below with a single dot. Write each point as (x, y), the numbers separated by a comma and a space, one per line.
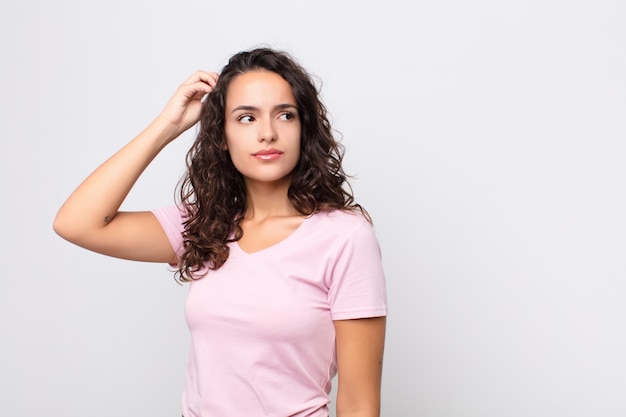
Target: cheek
(232, 130)
(232, 135)
(234, 151)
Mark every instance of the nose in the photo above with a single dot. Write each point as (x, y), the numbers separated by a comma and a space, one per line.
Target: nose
(267, 131)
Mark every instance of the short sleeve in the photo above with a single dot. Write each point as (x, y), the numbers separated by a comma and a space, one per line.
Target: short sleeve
(358, 287)
(171, 220)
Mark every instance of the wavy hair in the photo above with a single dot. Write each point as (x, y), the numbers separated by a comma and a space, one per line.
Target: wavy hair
(213, 192)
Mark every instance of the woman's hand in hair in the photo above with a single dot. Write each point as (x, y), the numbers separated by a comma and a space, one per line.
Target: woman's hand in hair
(90, 217)
(183, 110)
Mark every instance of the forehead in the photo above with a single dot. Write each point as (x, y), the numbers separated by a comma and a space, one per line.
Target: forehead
(258, 88)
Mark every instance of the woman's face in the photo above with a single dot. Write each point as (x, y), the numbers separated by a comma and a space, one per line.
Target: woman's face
(262, 126)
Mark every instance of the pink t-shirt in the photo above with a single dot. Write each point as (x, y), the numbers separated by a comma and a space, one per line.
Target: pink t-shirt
(262, 334)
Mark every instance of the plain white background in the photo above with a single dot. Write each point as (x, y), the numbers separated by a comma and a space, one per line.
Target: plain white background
(488, 141)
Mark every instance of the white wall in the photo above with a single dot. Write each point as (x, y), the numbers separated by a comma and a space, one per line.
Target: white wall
(489, 143)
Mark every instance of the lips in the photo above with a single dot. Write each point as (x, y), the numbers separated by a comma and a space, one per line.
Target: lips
(267, 154)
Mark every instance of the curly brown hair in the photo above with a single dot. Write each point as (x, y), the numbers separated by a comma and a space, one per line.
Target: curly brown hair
(213, 193)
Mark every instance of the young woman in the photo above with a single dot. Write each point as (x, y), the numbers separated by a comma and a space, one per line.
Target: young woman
(286, 287)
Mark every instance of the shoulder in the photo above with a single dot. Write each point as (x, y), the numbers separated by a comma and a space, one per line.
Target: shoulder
(345, 219)
(342, 223)
(337, 216)
(172, 220)
(170, 216)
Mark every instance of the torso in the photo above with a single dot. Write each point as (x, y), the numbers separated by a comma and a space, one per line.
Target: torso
(262, 325)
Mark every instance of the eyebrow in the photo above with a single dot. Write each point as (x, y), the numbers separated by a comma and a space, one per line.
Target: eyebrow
(277, 107)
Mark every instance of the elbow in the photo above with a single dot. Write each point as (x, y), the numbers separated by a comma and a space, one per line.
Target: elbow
(359, 412)
(61, 227)
(364, 406)
(65, 228)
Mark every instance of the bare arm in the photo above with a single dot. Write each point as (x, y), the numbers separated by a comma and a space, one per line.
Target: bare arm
(360, 345)
(90, 217)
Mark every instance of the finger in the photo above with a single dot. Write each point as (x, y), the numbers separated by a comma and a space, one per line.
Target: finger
(212, 78)
(195, 90)
(209, 78)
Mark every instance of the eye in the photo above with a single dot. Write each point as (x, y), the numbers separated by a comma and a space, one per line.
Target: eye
(288, 116)
(245, 118)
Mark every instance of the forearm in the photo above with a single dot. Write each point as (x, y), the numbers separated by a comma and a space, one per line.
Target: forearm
(97, 199)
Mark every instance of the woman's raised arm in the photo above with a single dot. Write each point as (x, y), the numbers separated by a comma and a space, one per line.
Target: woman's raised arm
(89, 217)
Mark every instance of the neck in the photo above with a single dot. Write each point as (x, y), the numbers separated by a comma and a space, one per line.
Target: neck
(267, 200)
